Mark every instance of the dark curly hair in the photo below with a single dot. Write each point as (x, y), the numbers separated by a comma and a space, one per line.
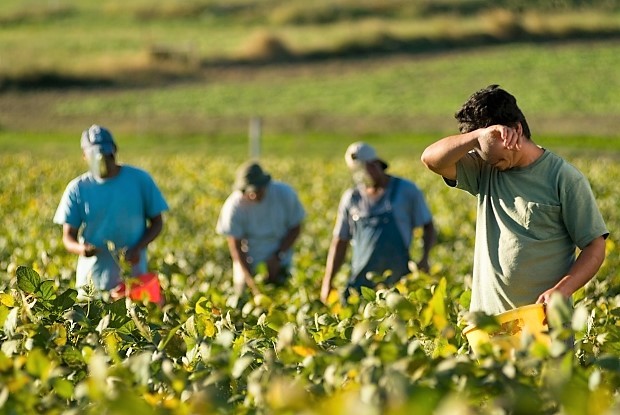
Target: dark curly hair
(489, 106)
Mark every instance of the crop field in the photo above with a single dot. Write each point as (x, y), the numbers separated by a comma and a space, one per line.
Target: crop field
(391, 351)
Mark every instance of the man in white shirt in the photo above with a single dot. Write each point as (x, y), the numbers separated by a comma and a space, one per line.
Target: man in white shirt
(261, 220)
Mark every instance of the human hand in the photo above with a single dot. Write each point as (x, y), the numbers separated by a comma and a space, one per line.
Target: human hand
(274, 267)
(545, 297)
(423, 265)
(325, 290)
(132, 255)
(253, 288)
(89, 250)
(510, 138)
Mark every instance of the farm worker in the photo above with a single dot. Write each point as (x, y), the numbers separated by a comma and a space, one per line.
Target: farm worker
(377, 217)
(261, 220)
(534, 208)
(112, 206)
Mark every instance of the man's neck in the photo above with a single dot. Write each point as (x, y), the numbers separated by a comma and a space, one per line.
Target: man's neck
(378, 187)
(530, 152)
(115, 169)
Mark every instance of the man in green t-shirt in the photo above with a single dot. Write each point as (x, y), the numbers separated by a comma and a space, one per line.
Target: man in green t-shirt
(534, 208)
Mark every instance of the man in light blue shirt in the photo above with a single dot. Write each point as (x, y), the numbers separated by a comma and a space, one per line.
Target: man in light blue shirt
(261, 220)
(113, 211)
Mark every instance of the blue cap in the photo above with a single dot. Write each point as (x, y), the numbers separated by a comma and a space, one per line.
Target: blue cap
(98, 138)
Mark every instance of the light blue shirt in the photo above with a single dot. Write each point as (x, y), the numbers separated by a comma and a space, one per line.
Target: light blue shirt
(263, 224)
(109, 210)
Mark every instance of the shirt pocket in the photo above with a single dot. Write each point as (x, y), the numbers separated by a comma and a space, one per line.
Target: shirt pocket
(544, 221)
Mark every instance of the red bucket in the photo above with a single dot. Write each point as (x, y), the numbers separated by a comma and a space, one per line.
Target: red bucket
(143, 287)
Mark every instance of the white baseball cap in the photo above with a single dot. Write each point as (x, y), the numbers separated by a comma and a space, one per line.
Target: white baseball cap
(360, 152)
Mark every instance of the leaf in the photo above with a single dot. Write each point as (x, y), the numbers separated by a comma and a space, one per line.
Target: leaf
(118, 308)
(608, 362)
(209, 330)
(66, 299)
(240, 365)
(580, 318)
(484, 321)
(37, 364)
(165, 340)
(368, 293)
(4, 312)
(435, 312)
(46, 290)
(443, 348)
(304, 351)
(10, 322)
(27, 279)
(285, 337)
(72, 356)
(7, 299)
(203, 306)
(558, 311)
(63, 388)
(59, 331)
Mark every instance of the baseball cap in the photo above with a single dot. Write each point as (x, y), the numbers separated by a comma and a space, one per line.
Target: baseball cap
(98, 138)
(360, 152)
(251, 177)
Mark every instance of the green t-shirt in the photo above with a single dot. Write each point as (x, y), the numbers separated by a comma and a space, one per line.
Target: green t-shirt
(530, 221)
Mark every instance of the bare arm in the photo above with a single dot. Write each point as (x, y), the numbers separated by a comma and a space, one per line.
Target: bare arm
(583, 270)
(274, 263)
(70, 241)
(335, 259)
(289, 239)
(153, 229)
(240, 257)
(442, 156)
(429, 238)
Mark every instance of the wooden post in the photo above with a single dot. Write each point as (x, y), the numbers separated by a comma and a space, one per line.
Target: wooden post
(255, 137)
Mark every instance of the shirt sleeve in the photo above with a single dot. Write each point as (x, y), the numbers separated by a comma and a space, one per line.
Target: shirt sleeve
(229, 222)
(342, 228)
(468, 175)
(581, 215)
(155, 203)
(68, 211)
(296, 212)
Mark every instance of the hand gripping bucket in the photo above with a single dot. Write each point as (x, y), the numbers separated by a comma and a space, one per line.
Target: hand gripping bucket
(143, 287)
(529, 320)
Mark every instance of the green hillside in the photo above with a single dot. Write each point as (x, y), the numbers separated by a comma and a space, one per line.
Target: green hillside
(205, 67)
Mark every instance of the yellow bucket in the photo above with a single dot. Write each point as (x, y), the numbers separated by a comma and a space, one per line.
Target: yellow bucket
(529, 320)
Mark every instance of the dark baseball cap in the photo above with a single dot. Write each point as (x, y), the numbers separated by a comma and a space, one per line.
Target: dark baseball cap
(251, 177)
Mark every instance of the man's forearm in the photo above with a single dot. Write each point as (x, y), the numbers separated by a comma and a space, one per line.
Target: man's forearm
(583, 270)
(240, 257)
(153, 230)
(585, 267)
(335, 259)
(445, 153)
(289, 239)
(429, 238)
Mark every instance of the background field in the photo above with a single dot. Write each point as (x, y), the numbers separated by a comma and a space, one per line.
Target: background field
(173, 69)
(177, 82)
